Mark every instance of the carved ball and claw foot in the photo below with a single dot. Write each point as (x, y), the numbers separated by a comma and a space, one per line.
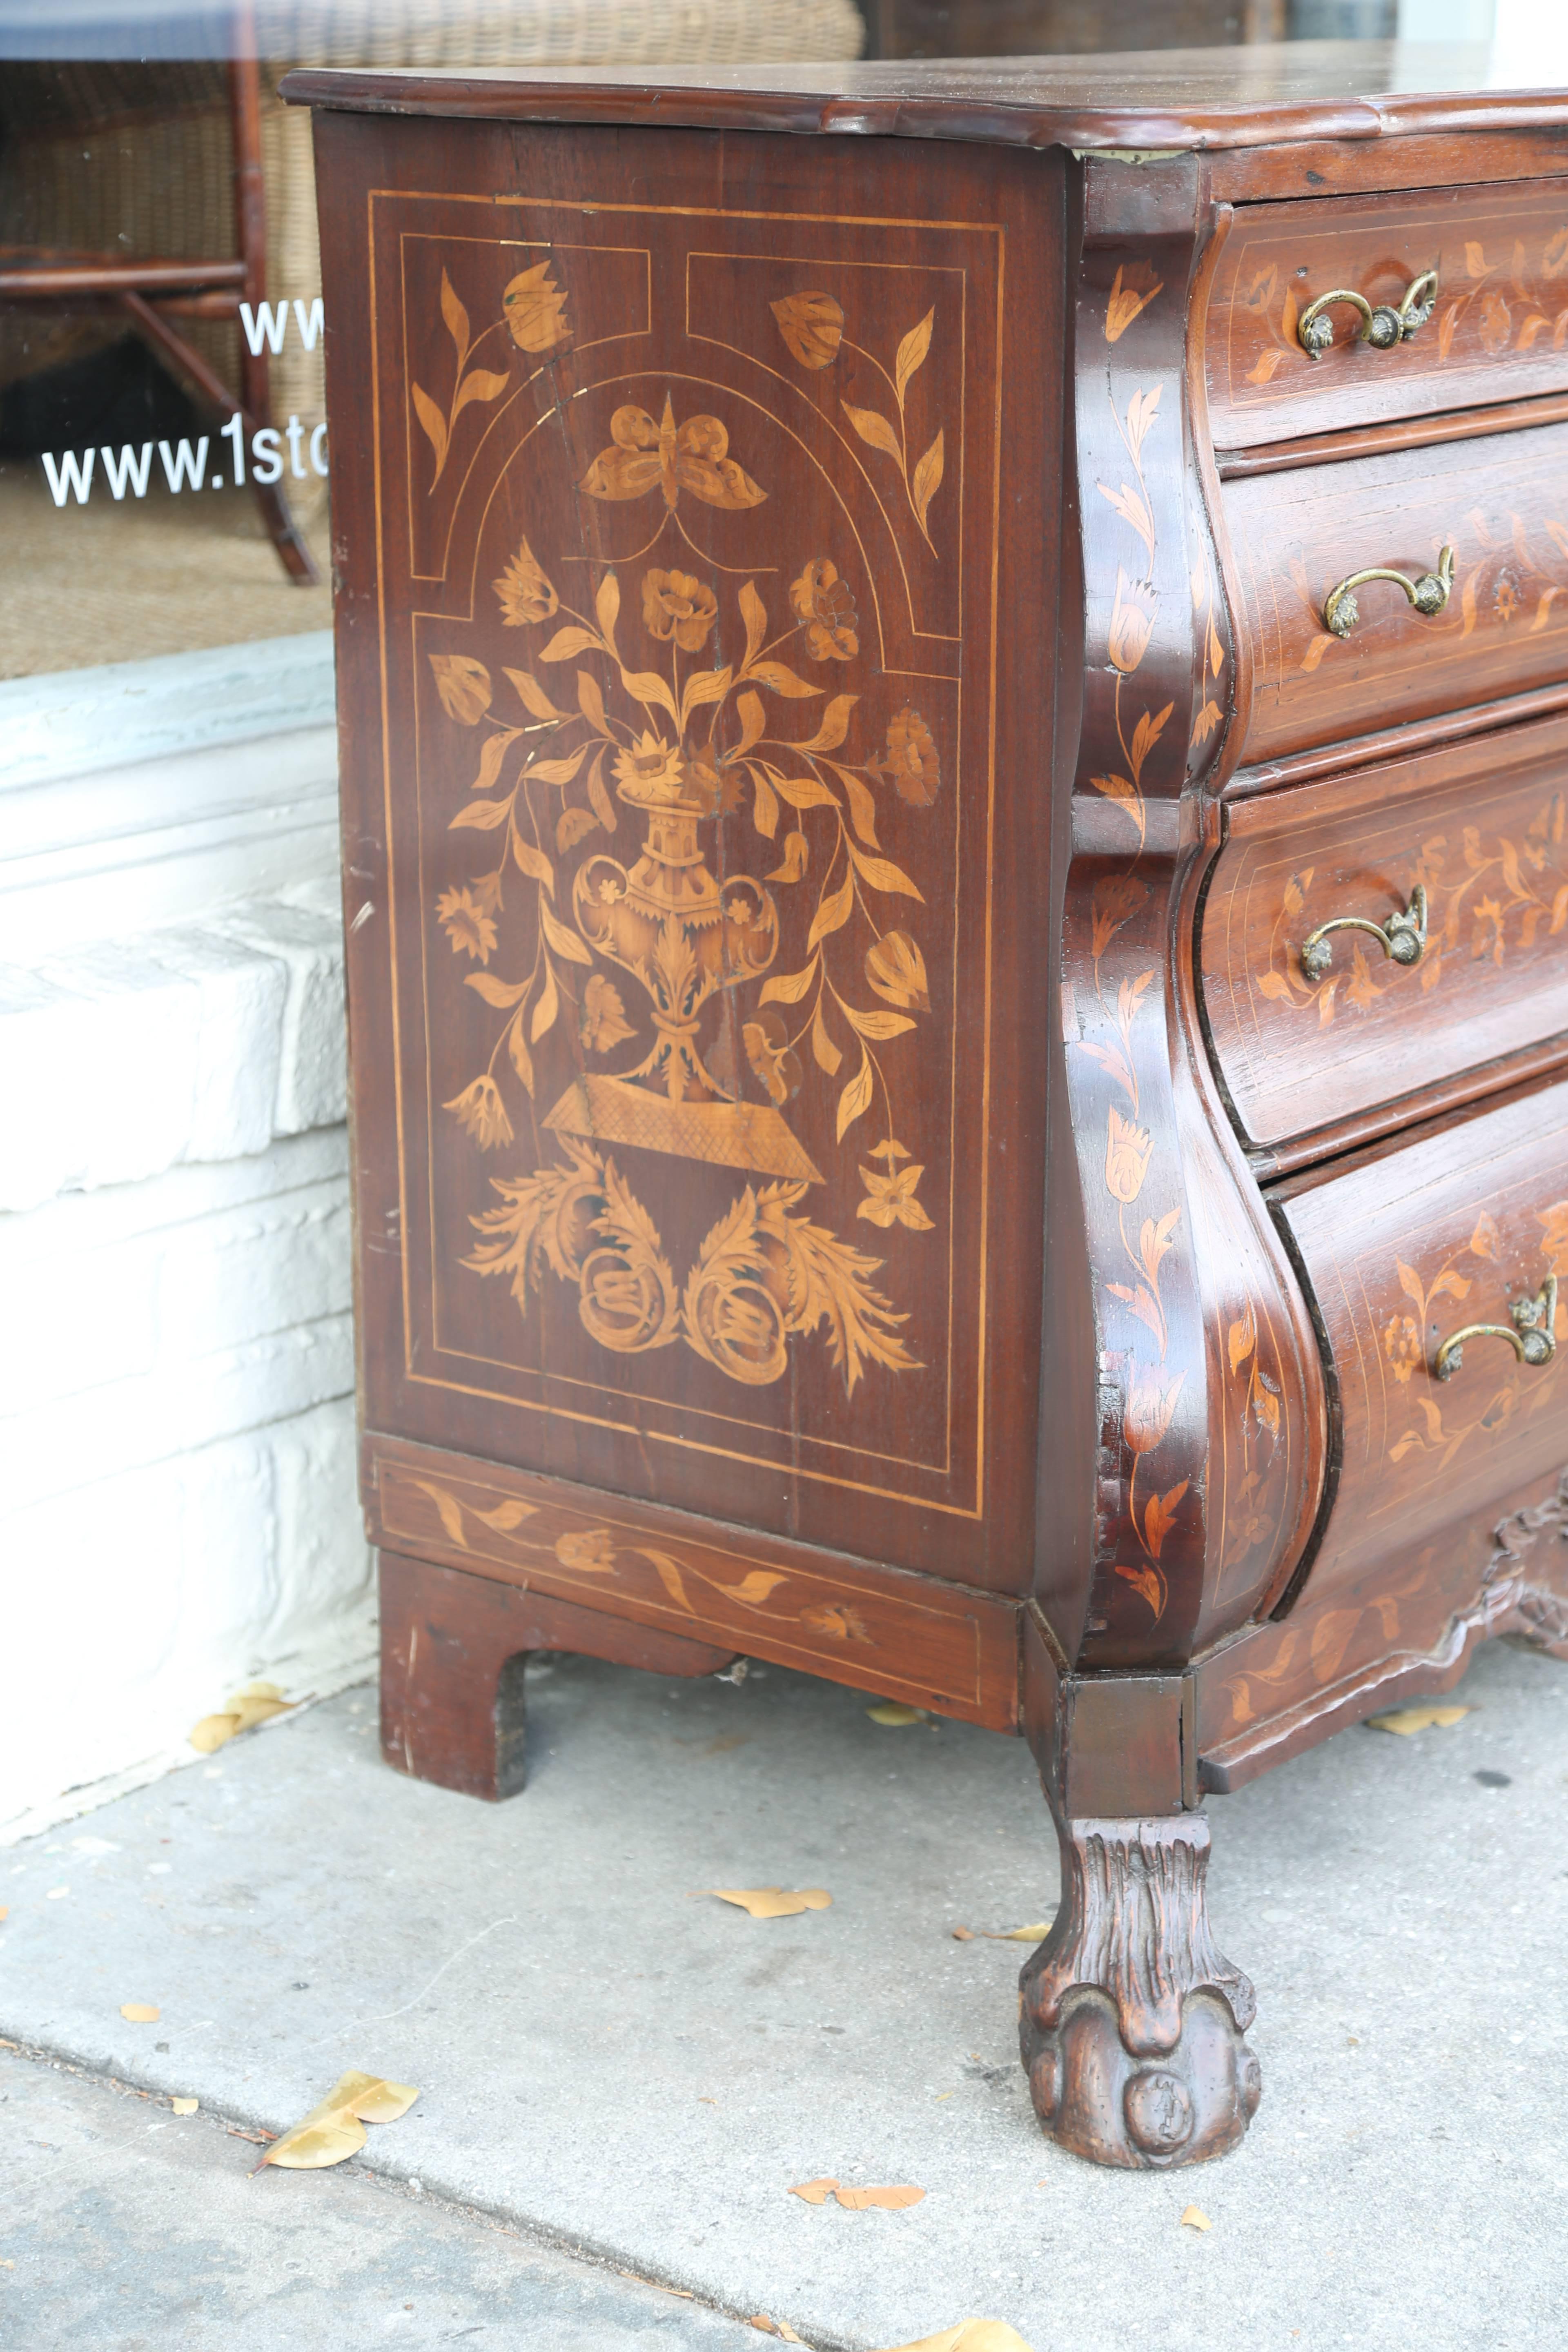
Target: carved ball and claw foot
(1132, 2025)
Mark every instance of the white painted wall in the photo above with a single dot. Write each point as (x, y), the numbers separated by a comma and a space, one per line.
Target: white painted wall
(178, 1512)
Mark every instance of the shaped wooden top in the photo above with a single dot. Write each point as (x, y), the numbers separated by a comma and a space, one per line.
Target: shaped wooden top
(1166, 98)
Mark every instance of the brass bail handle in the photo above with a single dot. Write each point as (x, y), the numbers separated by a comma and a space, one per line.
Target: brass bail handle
(1403, 938)
(1381, 326)
(1532, 1334)
(1428, 593)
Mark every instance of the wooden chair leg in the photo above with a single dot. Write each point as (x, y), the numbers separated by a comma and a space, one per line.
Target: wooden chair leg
(1132, 2023)
(453, 1649)
(251, 236)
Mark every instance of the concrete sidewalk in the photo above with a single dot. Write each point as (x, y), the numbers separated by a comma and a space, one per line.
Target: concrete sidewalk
(612, 2061)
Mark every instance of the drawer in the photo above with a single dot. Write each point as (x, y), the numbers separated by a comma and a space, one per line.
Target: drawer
(1498, 328)
(1479, 826)
(1407, 1246)
(1501, 502)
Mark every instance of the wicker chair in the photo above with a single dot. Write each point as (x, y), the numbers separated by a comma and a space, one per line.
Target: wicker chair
(200, 190)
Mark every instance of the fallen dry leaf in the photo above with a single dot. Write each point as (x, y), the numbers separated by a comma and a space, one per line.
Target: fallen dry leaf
(893, 1711)
(963, 1935)
(5, 1910)
(336, 2128)
(184, 2106)
(816, 2192)
(780, 2327)
(1031, 1934)
(773, 1902)
(970, 2335)
(1408, 1719)
(257, 1703)
(140, 2012)
(1195, 2218)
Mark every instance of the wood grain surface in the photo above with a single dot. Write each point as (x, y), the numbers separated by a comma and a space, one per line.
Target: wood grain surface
(691, 727)
(1215, 98)
(1498, 329)
(1498, 503)
(1482, 826)
(909, 1637)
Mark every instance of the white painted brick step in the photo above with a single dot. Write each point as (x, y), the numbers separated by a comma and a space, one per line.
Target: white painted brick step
(129, 1057)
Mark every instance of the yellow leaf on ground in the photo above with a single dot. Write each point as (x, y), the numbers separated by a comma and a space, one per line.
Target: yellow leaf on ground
(336, 2128)
(184, 2106)
(1031, 1934)
(140, 2012)
(257, 1703)
(213, 1732)
(1195, 2218)
(5, 1910)
(893, 1710)
(773, 1902)
(1408, 1719)
(970, 2335)
(816, 2192)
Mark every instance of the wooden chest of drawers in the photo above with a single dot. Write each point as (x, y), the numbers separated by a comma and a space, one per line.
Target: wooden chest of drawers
(955, 873)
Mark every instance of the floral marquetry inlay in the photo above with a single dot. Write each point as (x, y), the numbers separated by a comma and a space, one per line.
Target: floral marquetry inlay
(648, 730)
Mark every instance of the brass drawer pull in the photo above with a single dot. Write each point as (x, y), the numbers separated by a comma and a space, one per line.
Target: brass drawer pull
(1428, 593)
(1532, 1335)
(1382, 328)
(1403, 938)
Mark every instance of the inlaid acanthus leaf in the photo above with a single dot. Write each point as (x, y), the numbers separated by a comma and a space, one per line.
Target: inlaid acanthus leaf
(834, 728)
(569, 640)
(490, 759)
(479, 383)
(789, 987)
(783, 679)
(532, 695)
(532, 861)
(765, 802)
(434, 423)
(873, 428)
(857, 1096)
(927, 479)
(754, 614)
(558, 771)
(878, 1026)
(862, 804)
(498, 993)
(547, 1007)
(826, 1053)
(803, 791)
(482, 816)
(882, 874)
(564, 942)
(456, 319)
(912, 351)
(834, 911)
